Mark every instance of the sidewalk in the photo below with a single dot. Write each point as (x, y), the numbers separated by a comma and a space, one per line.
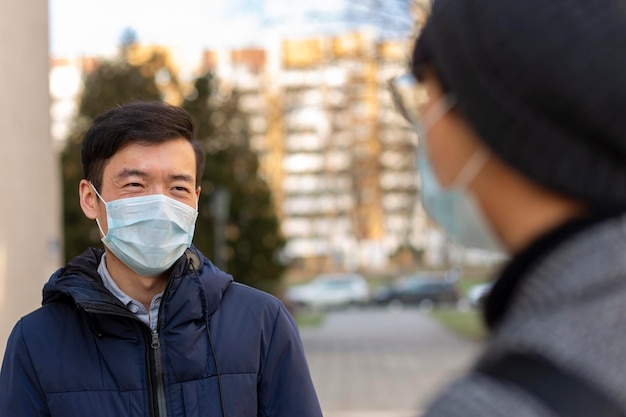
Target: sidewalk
(379, 363)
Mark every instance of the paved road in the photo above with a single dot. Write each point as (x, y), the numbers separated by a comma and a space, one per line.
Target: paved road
(382, 363)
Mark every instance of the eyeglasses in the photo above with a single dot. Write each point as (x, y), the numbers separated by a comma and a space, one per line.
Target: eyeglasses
(410, 98)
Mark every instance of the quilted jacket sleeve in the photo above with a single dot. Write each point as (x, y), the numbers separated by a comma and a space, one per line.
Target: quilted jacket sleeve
(20, 392)
(286, 388)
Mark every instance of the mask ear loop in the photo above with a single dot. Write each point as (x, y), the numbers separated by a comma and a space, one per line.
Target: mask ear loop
(471, 169)
(476, 162)
(105, 203)
(432, 116)
(436, 112)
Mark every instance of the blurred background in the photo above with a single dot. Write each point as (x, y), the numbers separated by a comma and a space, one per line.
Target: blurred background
(310, 189)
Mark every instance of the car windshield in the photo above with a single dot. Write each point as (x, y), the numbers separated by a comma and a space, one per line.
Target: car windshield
(336, 279)
(413, 282)
(335, 283)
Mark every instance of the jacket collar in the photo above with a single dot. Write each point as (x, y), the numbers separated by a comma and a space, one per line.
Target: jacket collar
(80, 282)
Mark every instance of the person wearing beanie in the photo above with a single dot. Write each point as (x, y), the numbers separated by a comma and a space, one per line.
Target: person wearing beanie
(522, 149)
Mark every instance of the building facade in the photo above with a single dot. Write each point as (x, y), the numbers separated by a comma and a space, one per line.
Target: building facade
(339, 159)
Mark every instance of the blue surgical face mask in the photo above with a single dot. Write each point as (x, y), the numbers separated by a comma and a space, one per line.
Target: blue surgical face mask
(453, 208)
(148, 233)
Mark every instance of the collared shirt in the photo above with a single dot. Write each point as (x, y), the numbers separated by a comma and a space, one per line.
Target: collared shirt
(134, 306)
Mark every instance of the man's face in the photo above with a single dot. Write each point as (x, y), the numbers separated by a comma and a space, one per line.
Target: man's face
(139, 169)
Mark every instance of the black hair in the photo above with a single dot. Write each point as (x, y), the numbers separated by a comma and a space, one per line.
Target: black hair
(143, 121)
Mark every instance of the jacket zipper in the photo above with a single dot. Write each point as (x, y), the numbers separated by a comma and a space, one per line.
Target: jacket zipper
(154, 363)
(158, 390)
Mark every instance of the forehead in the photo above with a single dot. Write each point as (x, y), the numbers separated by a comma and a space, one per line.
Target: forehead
(174, 156)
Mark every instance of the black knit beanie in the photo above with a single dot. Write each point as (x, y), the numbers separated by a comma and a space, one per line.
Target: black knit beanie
(543, 82)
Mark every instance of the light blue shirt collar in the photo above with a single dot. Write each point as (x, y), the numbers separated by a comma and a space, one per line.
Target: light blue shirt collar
(134, 306)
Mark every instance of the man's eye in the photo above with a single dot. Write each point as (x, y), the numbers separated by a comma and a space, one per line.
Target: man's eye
(181, 189)
(133, 184)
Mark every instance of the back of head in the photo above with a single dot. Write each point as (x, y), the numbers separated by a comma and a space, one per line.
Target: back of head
(543, 83)
(145, 122)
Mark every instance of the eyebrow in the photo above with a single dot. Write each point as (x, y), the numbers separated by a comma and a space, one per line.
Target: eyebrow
(129, 172)
(182, 177)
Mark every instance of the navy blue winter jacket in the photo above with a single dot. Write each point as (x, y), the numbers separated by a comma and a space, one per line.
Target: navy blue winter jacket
(222, 349)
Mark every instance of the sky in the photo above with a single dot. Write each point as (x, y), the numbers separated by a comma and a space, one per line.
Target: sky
(94, 27)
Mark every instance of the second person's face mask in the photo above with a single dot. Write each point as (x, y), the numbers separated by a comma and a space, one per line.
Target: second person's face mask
(148, 233)
(453, 208)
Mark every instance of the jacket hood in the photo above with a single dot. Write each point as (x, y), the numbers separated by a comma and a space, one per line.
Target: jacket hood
(80, 282)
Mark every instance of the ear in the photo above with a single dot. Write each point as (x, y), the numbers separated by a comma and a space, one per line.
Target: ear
(198, 192)
(88, 199)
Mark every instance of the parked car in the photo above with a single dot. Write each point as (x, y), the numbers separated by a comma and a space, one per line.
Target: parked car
(328, 291)
(477, 293)
(422, 290)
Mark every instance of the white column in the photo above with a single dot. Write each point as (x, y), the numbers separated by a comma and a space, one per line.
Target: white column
(30, 247)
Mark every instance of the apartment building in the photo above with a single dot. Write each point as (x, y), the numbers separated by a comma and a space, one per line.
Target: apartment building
(339, 159)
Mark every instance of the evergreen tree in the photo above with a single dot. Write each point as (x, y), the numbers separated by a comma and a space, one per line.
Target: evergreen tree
(252, 231)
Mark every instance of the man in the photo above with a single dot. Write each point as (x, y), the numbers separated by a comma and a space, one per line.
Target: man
(149, 326)
(524, 151)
